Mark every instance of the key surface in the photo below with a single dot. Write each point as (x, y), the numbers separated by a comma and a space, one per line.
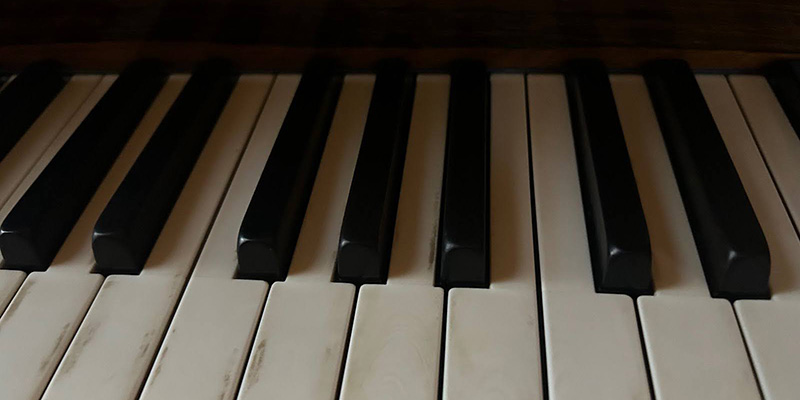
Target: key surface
(462, 258)
(36, 227)
(51, 316)
(592, 340)
(114, 348)
(10, 281)
(770, 328)
(368, 225)
(618, 238)
(130, 224)
(730, 242)
(24, 99)
(191, 364)
(270, 227)
(307, 317)
(397, 328)
(694, 347)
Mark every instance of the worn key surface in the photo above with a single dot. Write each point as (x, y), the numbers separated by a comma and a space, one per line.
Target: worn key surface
(272, 222)
(34, 230)
(130, 223)
(618, 239)
(369, 219)
(728, 236)
(464, 219)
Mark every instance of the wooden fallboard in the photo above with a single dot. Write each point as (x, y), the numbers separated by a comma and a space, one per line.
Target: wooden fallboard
(259, 34)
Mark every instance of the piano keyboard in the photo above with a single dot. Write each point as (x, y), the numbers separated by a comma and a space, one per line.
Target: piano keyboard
(393, 235)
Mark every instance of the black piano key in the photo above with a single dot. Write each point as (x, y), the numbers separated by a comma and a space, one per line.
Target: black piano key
(615, 225)
(34, 230)
(25, 98)
(729, 239)
(128, 228)
(368, 226)
(463, 253)
(784, 78)
(272, 222)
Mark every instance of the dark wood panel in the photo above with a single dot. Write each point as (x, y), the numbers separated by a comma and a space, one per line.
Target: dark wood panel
(748, 25)
(112, 56)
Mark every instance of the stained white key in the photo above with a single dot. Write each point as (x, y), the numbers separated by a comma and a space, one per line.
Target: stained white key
(206, 346)
(770, 326)
(115, 345)
(397, 328)
(492, 336)
(693, 342)
(592, 340)
(306, 319)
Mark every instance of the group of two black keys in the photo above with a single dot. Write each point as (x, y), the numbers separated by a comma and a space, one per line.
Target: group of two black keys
(731, 245)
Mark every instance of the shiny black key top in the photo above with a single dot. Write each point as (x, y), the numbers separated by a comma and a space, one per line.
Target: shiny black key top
(368, 225)
(25, 98)
(131, 222)
(618, 240)
(729, 239)
(270, 227)
(34, 230)
(463, 253)
(784, 78)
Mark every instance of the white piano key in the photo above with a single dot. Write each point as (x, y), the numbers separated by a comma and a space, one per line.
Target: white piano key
(395, 345)
(115, 345)
(307, 318)
(36, 328)
(592, 340)
(770, 328)
(10, 281)
(397, 328)
(694, 347)
(492, 336)
(773, 133)
(203, 354)
(218, 258)
(778, 144)
(25, 154)
(413, 259)
(213, 327)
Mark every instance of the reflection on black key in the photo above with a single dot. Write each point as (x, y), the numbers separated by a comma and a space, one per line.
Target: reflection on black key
(729, 239)
(784, 78)
(272, 222)
(368, 225)
(131, 222)
(25, 98)
(36, 227)
(618, 240)
(463, 258)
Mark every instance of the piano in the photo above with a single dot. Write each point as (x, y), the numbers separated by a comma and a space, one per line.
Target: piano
(441, 200)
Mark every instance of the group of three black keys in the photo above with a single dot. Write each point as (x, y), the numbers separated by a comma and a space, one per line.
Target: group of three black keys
(730, 242)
